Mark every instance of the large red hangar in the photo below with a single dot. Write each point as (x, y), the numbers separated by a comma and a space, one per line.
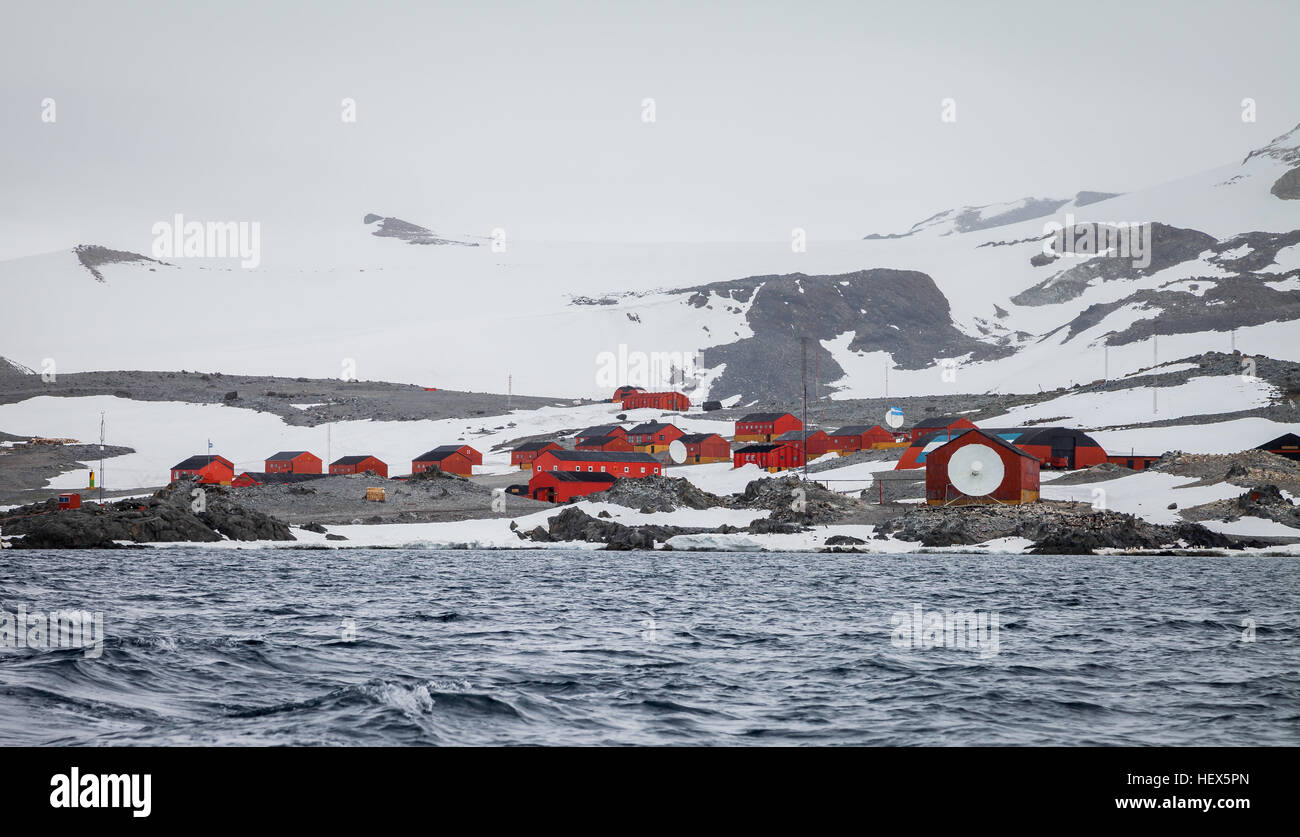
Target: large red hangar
(978, 467)
(672, 401)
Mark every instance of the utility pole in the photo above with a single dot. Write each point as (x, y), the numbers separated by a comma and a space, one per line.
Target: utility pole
(510, 390)
(101, 458)
(1105, 375)
(1155, 381)
(803, 374)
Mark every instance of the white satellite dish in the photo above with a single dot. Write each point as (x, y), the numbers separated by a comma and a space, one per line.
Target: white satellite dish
(975, 470)
(894, 417)
(677, 451)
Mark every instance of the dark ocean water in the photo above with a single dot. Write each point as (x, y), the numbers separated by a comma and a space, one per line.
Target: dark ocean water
(461, 647)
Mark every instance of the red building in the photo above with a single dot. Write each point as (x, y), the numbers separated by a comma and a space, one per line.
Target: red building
(657, 400)
(653, 436)
(69, 501)
(774, 456)
(620, 464)
(924, 427)
(765, 427)
(209, 469)
(453, 459)
(624, 391)
(815, 442)
(359, 465)
(563, 486)
(859, 437)
(294, 462)
(600, 431)
(606, 443)
(702, 448)
(523, 456)
(1019, 472)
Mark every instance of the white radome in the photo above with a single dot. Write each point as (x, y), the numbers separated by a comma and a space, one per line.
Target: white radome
(975, 470)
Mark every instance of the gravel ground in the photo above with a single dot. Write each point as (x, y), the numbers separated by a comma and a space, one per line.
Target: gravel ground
(341, 499)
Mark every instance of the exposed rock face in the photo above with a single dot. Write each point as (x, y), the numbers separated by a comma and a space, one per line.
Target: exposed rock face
(1263, 501)
(1287, 187)
(1167, 245)
(168, 516)
(573, 524)
(656, 493)
(1055, 529)
(794, 501)
(898, 311)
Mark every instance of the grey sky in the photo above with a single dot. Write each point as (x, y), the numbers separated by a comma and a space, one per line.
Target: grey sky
(528, 115)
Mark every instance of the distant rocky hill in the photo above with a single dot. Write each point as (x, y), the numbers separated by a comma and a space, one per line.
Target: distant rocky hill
(988, 216)
(410, 233)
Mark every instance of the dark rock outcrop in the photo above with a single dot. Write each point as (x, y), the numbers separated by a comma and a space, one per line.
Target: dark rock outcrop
(175, 513)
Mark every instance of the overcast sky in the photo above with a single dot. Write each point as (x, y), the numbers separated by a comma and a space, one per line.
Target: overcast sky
(528, 116)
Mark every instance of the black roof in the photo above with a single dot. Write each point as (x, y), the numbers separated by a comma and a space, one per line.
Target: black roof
(1285, 440)
(287, 454)
(581, 476)
(650, 427)
(440, 452)
(754, 417)
(195, 462)
(696, 438)
(352, 460)
(763, 448)
(601, 456)
(938, 421)
(855, 429)
(797, 435)
(599, 430)
(534, 445)
(600, 440)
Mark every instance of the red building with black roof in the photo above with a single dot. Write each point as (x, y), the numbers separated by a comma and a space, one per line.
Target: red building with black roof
(653, 436)
(765, 427)
(606, 443)
(702, 448)
(359, 465)
(209, 469)
(523, 456)
(814, 442)
(293, 462)
(599, 431)
(859, 437)
(453, 459)
(925, 427)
